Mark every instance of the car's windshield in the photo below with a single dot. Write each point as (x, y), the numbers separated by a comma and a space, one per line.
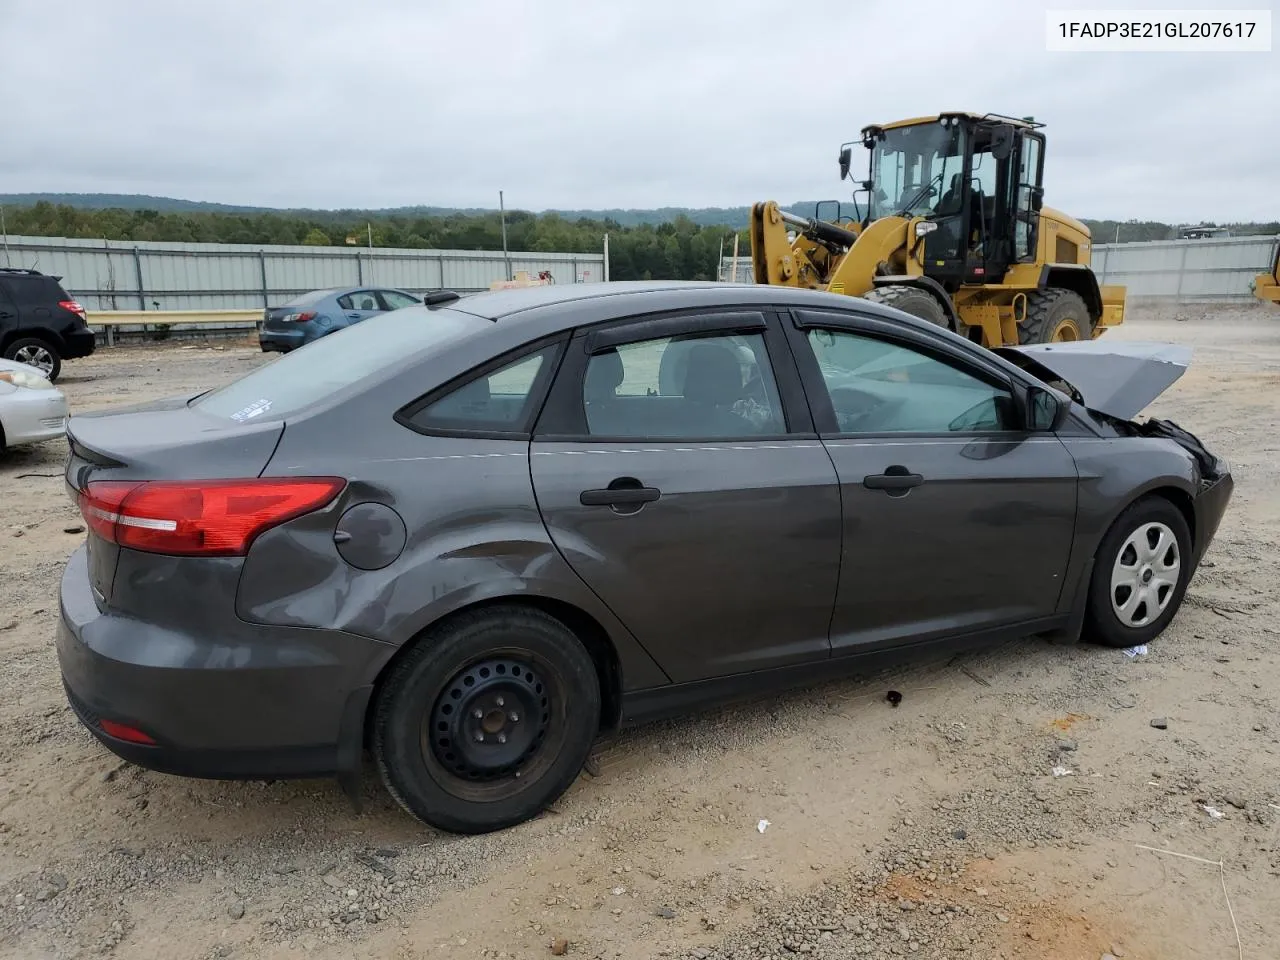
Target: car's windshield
(323, 367)
(913, 166)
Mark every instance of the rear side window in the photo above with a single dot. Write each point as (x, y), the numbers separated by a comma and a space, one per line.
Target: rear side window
(332, 364)
(362, 300)
(395, 300)
(501, 400)
(41, 291)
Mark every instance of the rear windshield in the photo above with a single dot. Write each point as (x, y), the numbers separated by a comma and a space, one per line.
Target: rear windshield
(306, 299)
(315, 372)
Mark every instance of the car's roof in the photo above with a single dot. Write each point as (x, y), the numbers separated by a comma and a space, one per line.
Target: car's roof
(657, 294)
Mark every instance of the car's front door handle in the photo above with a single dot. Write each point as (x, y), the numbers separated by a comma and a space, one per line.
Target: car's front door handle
(621, 492)
(619, 497)
(896, 477)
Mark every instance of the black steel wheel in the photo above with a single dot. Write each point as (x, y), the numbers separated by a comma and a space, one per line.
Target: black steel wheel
(484, 723)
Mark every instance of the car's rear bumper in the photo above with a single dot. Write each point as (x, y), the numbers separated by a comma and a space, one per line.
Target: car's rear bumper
(281, 341)
(290, 704)
(78, 343)
(32, 416)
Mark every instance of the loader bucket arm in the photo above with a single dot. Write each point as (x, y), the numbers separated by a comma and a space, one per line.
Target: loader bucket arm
(774, 259)
(883, 242)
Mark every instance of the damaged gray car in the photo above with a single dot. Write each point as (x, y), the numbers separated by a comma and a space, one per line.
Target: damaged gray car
(469, 536)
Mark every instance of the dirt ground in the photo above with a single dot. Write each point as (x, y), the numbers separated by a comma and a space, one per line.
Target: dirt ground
(934, 829)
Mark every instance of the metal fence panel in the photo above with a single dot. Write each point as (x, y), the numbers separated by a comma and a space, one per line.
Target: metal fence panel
(124, 275)
(1212, 270)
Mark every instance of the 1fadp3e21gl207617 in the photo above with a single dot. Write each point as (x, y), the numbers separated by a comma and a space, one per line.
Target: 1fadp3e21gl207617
(470, 535)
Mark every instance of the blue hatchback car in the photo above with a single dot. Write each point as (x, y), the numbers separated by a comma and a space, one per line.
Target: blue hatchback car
(312, 315)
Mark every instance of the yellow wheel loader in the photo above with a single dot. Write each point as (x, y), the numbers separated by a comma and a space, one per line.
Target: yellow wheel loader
(953, 230)
(1266, 286)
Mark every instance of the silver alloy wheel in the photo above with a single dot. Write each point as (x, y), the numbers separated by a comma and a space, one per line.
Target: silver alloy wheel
(36, 356)
(1145, 575)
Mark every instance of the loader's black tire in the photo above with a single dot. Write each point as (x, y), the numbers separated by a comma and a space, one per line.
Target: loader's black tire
(913, 300)
(1054, 316)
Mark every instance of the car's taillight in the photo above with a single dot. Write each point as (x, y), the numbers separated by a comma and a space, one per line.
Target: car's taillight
(122, 731)
(199, 518)
(73, 306)
(299, 317)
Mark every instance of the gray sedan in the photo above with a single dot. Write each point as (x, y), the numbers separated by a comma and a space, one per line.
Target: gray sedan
(472, 534)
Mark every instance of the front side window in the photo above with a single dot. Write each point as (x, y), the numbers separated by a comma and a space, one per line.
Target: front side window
(711, 387)
(878, 386)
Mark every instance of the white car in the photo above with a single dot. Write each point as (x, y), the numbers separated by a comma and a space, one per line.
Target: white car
(31, 408)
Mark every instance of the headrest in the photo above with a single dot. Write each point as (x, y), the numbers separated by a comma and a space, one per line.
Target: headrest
(604, 375)
(713, 374)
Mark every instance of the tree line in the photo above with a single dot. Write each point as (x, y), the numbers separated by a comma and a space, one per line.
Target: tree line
(678, 248)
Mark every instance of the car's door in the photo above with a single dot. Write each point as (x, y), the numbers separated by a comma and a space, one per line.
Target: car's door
(359, 305)
(677, 471)
(956, 517)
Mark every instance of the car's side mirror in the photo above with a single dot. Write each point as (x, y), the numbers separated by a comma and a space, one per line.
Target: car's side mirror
(1046, 410)
(846, 160)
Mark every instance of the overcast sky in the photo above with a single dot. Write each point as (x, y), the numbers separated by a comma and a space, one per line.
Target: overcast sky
(603, 103)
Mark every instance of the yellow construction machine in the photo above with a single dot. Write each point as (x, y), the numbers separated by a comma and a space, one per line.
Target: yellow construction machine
(953, 230)
(1266, 286)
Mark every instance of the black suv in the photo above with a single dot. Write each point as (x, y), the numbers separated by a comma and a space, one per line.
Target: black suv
(40, 324)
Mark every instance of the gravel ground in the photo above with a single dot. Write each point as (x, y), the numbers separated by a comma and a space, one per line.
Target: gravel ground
(934, 829)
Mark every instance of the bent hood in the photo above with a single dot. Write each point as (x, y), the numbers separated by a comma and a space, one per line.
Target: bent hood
(1116, 378)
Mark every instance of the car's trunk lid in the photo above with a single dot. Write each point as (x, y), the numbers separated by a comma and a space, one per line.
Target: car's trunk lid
(163, 440)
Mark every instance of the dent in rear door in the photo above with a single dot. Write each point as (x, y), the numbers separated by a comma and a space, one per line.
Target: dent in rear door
(727, 559)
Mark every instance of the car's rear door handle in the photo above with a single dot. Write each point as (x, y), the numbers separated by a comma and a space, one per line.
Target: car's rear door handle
(896, 477)
(622, 492)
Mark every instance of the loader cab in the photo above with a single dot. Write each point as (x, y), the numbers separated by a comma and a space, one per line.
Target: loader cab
(976, 180)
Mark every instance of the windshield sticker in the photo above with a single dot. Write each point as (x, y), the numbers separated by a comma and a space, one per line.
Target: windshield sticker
(255, 409)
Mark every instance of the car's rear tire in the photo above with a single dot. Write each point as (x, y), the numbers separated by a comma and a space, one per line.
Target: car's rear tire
(1140, 575)
(36, 352)
(484, 723)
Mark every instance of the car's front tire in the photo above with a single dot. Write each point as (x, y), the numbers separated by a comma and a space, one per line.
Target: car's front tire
(486, 722)
(1140, 575)
(36, 352)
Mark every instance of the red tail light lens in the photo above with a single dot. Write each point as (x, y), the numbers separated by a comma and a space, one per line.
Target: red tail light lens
(299, 317)
(123, 732)
(209, 518)
(73, 306)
